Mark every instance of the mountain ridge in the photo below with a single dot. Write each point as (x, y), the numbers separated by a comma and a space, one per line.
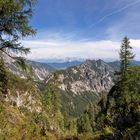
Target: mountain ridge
(41, 70)
(82, 84)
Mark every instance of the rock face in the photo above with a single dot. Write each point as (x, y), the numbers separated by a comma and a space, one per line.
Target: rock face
(23, 93)
(79, 85)
(84, 83)
(40, 70)
(92, 76)
(24, 99)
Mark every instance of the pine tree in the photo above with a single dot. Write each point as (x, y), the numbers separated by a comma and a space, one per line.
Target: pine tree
(126, 57)
(3, 79)
(71, 125)
(52, 101)
(14, 26)
(121, 114)
(84, 124)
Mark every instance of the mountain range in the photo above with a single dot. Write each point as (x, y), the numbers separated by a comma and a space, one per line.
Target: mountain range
(41, 70)
(82, 84)
(64, 65)
(79, 83)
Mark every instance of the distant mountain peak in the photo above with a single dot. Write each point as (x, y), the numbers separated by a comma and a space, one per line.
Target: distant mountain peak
(84, 82)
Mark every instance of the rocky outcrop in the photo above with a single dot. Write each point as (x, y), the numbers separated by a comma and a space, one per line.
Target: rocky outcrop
(92, 76)
(39, 70)
(83, 84)
(24, 99)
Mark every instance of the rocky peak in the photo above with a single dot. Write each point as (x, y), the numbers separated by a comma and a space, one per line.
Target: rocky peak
(91, 76)
(84, 83)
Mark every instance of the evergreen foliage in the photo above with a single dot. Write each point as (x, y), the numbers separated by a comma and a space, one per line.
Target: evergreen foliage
(52, 103)
(121, 113)
(3, 79)
(83, 124)
(126, 57)
(116, 116)
(14, 25)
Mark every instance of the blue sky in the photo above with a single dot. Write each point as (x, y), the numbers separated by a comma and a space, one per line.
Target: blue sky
(83, 28)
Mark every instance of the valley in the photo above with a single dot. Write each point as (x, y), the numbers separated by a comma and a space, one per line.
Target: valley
(68, 71)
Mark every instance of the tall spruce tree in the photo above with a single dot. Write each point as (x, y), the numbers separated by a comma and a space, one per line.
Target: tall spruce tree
(83, 124)
(52, 102)
(121, 117)
(3, 80)
(126, 57)
(14, 26)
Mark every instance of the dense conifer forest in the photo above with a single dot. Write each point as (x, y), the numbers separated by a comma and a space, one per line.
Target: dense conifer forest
(38, 113)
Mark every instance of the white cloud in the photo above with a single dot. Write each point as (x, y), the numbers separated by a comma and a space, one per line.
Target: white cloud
(39, 43)
(59, 49)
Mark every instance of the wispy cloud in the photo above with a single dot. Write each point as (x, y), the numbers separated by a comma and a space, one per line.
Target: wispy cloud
(115, 12)
(127, 25)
